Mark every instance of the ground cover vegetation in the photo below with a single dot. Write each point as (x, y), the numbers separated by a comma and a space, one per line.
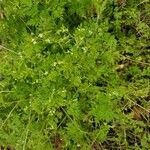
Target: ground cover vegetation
(74, 74)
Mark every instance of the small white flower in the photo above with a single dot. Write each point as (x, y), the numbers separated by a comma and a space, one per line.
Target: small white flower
(84, 49)
(46, 73)
(54, 64)
(52, 112)
(40, 35)
(34, 42)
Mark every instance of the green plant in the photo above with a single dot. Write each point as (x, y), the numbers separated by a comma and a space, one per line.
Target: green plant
(73, 71)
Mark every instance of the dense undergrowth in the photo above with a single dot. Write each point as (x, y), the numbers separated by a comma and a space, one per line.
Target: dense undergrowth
(74, 74)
